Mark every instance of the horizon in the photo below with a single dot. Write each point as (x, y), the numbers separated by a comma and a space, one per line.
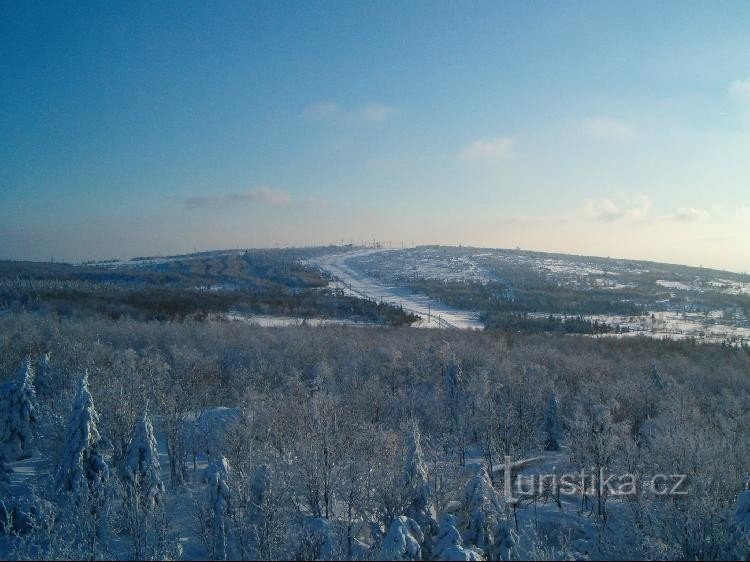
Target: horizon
(365, 245)
(584, 129)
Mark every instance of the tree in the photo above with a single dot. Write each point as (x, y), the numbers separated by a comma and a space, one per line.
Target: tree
(142, 471)
(596, 440)
(262, 509)
(214, 518)
(552, 424)
(455, 399)
(403, 541)
(416, 483)
(448, 543)
(741, 525)
(82, 479)
(5, 472)
(316, 540)
(143, 507)
(18, 411)
(486, 525)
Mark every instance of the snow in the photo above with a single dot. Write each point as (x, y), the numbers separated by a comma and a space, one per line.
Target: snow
(273, 321)
(402, 541)
(708, 327)
(354, 282)
(674, 285)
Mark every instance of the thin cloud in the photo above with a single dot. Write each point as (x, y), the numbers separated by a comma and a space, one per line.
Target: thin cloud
(610, 129)
(372, 113)
(314, 203)
(260, 196)
(491, 149)
(606, 210)
(740, 90)
(689, 214)
(376, 112)
(321, 110)
(603, 210)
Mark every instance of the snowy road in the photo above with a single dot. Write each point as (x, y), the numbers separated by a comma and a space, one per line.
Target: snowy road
(353, 282)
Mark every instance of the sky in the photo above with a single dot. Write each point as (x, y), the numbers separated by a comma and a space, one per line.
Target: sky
(615, 129)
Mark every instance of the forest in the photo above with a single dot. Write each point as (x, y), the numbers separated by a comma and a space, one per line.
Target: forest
(125, 438)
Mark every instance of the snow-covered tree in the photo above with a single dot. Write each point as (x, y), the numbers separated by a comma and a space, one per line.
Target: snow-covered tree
(18, 414)
(257, 506)
(141, 472)
(416, 484)
(403, 541)
(262, 512)
(82, 480)
(214, 519)
(43, 377)
(454, 395)
(5, 471)
(741, 525)
(448, 544)
(143, 506)
(487, 527)
(552, 424)
(656, 378)
(317, 541)
(596, 440)
(82, 469)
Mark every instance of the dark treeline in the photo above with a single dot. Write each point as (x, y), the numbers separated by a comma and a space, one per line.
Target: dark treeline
(258, 281)
(520, 322)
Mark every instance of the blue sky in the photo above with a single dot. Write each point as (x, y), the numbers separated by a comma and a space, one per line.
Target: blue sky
(602, 128)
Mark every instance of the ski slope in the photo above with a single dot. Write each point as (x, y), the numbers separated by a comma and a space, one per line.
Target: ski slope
(353, 282)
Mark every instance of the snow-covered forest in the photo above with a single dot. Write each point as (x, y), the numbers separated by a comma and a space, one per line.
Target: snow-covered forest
(124, 438)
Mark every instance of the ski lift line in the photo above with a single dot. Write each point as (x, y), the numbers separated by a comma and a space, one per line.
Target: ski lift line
(432, 317)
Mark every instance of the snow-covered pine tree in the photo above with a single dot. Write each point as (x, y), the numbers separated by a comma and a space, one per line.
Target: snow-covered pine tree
(552, 424)
(256, 509)
(416, 484)
(455, 399)
(316, 540)
(83, 475)
(741, 525)
(219, 502)
(448, 544)
(264, 526)
(486, 525)
(656, 378)
(43, 382)
(141, 472)
(403, 541)
(5, 471)
(18, 414)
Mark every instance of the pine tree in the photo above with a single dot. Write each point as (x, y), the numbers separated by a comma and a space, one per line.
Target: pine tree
(317, 541)
(403, 541)
(486, 525)
(219, 502)
(552, 424)
(416, 484)
(5, 471)
(18, 415)
(43, 382)
(256, 511)
(143, 506)
(448, 543)
(142, 472)
(656, 378)
(455, 399)
(742, 513)
(83, 475)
